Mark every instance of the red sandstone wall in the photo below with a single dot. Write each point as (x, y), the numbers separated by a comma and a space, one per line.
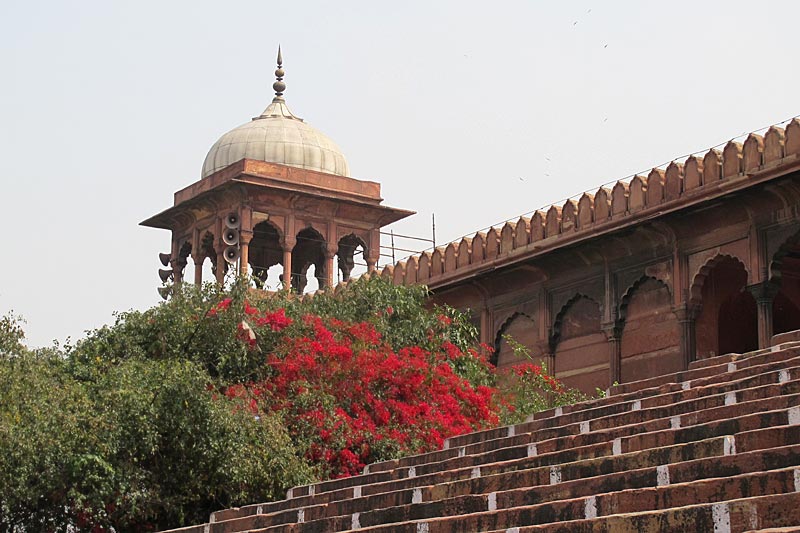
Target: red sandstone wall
(649, 333)
(523, 330)
(581, 355)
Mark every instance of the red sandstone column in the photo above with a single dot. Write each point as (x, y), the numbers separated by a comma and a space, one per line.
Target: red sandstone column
(764, 293)
(244, 251)
(175, 263)
(371, 257)
(687, 313)
(614, 353)
(177, 271)
(198, 269)
(329, 253)
(547, 356)
(288, 246)
(220, 273)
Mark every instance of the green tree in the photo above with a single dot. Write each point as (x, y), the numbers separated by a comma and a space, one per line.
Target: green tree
(12, 334)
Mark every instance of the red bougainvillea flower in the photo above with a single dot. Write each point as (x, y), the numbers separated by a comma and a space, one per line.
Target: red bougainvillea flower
(249, 310)
(353, 399)
(276, 321)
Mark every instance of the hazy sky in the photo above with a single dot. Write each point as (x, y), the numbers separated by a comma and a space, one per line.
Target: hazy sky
(474, 111)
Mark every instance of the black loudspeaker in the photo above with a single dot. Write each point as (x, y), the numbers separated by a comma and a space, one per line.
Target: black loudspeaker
(165, 274)
(164, 258)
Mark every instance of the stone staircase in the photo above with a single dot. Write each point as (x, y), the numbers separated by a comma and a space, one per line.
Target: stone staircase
(715, 448)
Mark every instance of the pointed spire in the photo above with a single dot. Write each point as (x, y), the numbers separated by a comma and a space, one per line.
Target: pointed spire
(278, 107)
(279, 86)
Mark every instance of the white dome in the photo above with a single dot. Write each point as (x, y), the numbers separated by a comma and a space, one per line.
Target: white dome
(277, 136)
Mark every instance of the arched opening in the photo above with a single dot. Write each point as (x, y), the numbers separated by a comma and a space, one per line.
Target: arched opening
(266, 256)
(580, 346)
(207, 251)
(648, 345)
(350, 259)
(523, 330)
(727, 321)
(786, 305)
(309, 251)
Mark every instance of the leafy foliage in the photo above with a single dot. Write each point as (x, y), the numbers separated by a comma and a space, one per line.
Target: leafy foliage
(12, 334)
(530, 388)
(221, 397)
(143, 446)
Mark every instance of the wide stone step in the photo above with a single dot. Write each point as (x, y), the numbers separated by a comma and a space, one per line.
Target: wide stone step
(767, 373)
(727, 420)
(658, 395)
(733, 416)
(515, 436)
(436, 519)
(746, 360)
(636, 414)
(621, 438)
(491, 478)
(726, 358)
(475, 494)
(734, 516)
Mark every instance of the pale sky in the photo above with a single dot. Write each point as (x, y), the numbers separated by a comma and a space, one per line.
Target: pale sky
(474, 111)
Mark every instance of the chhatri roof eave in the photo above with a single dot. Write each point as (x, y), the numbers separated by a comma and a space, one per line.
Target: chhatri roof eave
(257, 175)
(290, 176)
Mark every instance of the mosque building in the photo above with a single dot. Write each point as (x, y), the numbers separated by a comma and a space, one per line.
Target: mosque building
(696, 259)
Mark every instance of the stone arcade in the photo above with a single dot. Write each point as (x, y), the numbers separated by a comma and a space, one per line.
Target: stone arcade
(699, 259)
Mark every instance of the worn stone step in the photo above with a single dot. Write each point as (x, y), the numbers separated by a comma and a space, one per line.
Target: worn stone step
(734, 516)
(743, 389)
(763, 373)
(609, 440)
(524, 438)
(687, 471)
(640, 396)
(491, 478)
(469, 495)
(747, 360)
(736, 357)
(768, 373)
(341, 490)
(624, 439)
(483, 513)
(634, 415)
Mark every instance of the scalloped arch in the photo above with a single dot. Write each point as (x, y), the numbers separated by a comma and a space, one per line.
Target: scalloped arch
(629, 293)
(696, 287)
(556, 331)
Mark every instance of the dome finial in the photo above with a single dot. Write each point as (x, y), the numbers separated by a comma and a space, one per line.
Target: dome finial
(278, 107)
(279, 86)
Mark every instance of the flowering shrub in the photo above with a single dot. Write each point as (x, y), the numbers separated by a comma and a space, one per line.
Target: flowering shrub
(223, 397)
(350, 398)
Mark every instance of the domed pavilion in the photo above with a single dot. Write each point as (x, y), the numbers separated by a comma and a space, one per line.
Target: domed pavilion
(275, 191)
